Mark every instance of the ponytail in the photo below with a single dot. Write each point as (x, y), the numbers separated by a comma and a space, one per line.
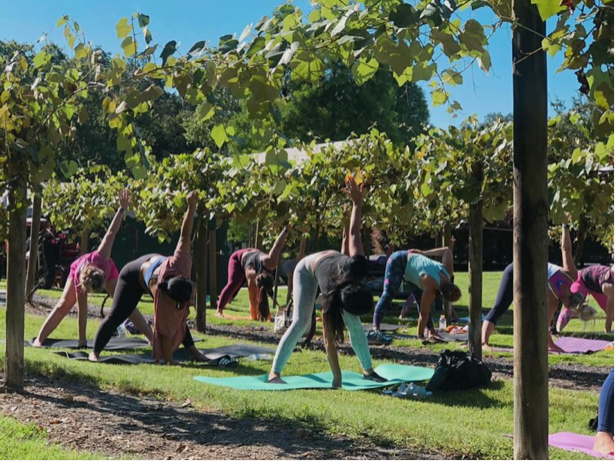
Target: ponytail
(263, 304)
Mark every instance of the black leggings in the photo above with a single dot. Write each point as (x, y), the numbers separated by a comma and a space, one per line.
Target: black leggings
(505, 296)
(128, 293)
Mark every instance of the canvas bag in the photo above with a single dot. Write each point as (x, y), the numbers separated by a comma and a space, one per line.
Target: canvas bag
(283, 318)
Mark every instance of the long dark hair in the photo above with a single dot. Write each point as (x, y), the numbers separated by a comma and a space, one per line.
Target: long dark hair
(349, 294)
(264, 283)
(178, 288)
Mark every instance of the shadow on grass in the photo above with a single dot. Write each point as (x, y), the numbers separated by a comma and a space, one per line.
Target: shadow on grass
(471, 398)
(305, 437)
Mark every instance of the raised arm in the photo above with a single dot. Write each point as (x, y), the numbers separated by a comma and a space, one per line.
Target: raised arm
(355, 246)
(273, 258)
(568, 259)
(186, 232)
(107, 242)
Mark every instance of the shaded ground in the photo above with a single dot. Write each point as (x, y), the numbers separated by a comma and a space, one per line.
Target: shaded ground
(118, 425)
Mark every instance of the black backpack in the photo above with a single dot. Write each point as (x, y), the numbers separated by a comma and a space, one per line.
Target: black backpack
(457, 370)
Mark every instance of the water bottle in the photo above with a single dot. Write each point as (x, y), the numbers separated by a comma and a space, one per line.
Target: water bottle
(121, 331)
(442, 325)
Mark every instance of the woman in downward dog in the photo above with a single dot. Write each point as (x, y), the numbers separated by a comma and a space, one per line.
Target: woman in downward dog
(341, 279)
(91, 273)
(258, 269)
(430, 276)
(167, 279)
(559, 282)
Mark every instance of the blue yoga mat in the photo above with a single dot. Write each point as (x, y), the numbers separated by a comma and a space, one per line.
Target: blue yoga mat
(351, 381)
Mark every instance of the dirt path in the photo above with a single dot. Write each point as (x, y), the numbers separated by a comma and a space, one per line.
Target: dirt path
(118, 425)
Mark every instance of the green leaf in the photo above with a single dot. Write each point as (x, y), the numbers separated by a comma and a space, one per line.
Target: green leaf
(473, 36)
(426, 189)
(438, 97)
(143, 19)
(169, 49)
(218, 134)
(129, 47)
(422, 72)
(197, 48)
(122, 28)
(41, 59)
(404, 15)
(364, 69)
(80, 52)
(63, 20)
(548, 8)
(205, 111)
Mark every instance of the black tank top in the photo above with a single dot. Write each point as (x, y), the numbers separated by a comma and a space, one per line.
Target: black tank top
(330, 269)
(254, 259)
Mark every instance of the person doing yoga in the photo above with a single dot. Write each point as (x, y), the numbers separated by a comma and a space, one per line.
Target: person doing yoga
(167, 280)
(341, 279)
(603, 442)
(91, 273)
(560, 280)
(258, 269)
(430, 276)
(598, 282)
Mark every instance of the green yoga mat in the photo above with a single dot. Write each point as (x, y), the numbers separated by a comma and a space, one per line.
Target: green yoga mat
(351, 381)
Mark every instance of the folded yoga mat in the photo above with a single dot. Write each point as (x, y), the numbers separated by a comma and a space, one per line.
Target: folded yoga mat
(447, 337)
(576, 442)
(115, 344)
(582, 345)
(383, 327)
(351, 381)
(180, 355)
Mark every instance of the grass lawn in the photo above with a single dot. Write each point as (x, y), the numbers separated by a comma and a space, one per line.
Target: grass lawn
(471, 423)
(29, 441)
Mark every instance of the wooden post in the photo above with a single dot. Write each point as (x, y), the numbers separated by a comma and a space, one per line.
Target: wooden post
(531, 378)
(213, 274)
(257, 240)
(579, 244)
(475, 269)
(201, 273)
(15, 287)
(33, 262)
(446, 242)
(84, 244)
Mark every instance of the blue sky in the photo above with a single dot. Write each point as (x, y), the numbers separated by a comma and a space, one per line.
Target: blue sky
(188, 21)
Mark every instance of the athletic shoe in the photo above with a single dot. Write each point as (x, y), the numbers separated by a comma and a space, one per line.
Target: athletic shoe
(563, 319)
(376, 337)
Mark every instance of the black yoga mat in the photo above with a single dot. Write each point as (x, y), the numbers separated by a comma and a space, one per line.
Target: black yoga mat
(180, 355)
(115, 344)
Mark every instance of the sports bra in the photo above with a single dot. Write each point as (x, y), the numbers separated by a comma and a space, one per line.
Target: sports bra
(152, 268)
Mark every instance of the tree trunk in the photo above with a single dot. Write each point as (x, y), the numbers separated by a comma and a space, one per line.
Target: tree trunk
(257, 240)
(201, 274)
(15, 288)
(213, 271)
(531, 378)
(580, 241)
(33, 262)
(475, 275)
(446, 242)
(85, 241)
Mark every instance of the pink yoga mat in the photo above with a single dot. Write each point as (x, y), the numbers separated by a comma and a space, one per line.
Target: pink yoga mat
(576, 442)
(581, 345)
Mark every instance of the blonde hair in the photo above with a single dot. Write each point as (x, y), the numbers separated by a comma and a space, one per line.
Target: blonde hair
(91, 278)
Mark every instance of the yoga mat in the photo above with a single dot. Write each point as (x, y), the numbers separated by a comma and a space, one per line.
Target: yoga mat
(576, 442)
(383, 327)
(180, 355)
(467, 319)
(351, 381)
(447, 337)
(115, 344)
(582, 345)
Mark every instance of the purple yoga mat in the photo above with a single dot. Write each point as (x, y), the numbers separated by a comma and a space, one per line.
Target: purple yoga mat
(576, 442)
(581, 345)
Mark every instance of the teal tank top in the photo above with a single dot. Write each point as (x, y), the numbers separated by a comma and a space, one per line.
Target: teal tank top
(418, 265)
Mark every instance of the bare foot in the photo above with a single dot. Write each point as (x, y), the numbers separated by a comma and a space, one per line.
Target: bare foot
(93, 357)
(220, 314)
(275, 379)
(603, 443)
(487, 347)
(37, 343)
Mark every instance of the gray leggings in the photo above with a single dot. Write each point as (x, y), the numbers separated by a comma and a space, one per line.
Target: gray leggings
(305, 288)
